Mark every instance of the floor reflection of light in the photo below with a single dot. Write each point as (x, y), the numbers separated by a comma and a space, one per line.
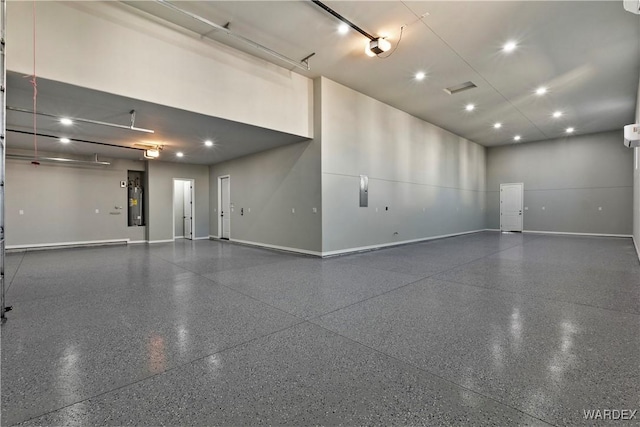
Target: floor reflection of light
(157, 357)
(183, 340)
(69, 383)
(214, 364)
(563, 359)
(68, 375)
(516, 327)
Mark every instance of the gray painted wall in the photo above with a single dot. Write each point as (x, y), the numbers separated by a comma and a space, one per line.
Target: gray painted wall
(178, 208)
(268, 186)
(160, 176)
(432, 181)
(571, 178)
(636, 185)
(59, 203)
(280, 98)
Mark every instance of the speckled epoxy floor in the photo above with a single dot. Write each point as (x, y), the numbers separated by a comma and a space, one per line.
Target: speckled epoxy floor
(483, 329)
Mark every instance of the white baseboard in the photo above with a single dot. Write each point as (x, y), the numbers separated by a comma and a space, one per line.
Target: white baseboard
(280, 248)
(403, 242)
(202, 238)
(213, 237)
(637, 245)
(578, 234)
(69, 244)
(492, 229)
(135, 242)
(160, 241)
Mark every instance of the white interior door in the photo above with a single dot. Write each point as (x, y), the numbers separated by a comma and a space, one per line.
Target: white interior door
(188, 210)
(511, 198)
(225, 208)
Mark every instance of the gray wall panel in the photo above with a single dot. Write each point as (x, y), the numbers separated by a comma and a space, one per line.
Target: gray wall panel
(432, 180)
(59, 203)
(636, 185)
(571, 178)
(271, 184)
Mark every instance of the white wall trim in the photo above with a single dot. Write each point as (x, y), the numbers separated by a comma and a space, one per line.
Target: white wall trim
(492, 229)
(404, 242)
(160, 241)
(134, 242)
(68, 244)
(201, 238)
(214, 237)
(637, 245)
(281, 248)
(578, 234)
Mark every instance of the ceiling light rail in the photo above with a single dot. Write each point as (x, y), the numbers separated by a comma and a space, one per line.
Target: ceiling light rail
(93, 122)
(94, 162)
(106, 144)
(304, 64)
(343, 19)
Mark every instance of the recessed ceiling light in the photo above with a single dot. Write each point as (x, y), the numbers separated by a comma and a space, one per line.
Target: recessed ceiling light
(65, 121)
(570, 130)
(497, 125)
(541, 90)
(557, 114)
(65, 140)
(517, 138)
(420, 75)
(470, 107)
(208, 143)
(343, 28)
(179, 154)
(509, 46)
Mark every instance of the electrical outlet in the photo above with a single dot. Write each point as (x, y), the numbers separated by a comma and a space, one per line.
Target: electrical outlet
(293, 210)
(97, 210)
(21, 212)
(315, 210)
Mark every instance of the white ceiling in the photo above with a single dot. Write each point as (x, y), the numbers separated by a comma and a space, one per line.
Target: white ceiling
(586, 53)
(176, 130)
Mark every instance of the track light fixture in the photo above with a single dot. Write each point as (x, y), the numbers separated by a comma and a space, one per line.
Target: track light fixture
(375, 45)
(152, 153)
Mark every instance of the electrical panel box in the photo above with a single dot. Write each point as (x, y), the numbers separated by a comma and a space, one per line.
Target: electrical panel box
(364, 191)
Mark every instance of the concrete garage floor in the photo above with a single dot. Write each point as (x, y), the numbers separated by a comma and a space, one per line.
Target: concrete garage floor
(483, 329)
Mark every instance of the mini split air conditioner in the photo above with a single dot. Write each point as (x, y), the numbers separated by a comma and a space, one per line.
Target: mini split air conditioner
(632, 6)
(632, 136)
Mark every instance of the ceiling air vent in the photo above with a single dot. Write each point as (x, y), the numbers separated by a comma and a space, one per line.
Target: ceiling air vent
(459, 88)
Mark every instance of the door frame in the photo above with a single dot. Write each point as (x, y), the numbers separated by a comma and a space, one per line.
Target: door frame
(521, 184)
(220, 178)
(193, 207)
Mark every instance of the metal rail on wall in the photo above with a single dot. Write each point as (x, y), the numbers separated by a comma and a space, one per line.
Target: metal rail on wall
(3, 148)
